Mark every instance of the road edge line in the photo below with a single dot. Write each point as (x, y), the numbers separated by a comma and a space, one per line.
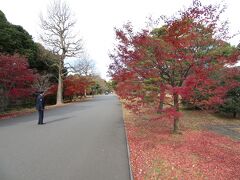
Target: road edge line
(128, 151)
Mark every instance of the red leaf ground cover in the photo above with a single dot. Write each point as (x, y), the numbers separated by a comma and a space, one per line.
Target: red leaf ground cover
(16, 113)
(196, 154)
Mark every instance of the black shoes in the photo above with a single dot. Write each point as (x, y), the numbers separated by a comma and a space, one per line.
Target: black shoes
(41, 123)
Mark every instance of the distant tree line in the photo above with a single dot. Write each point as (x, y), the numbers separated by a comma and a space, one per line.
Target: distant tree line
(27, 67)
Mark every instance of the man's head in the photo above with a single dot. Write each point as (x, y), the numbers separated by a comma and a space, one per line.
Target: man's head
(41, 92)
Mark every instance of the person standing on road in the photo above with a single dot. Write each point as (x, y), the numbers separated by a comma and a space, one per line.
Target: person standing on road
(40, 105)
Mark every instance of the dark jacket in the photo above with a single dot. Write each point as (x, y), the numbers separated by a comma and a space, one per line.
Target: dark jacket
(40, 104)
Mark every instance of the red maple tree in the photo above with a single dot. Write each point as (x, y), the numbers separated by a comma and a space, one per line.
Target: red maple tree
(183, 58)
(76, 86)
(16, 78)
(73, 86)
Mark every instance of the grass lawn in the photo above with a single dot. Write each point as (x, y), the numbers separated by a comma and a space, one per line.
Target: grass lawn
(198, 153)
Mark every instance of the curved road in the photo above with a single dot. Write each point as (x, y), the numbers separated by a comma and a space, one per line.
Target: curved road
(82, 141)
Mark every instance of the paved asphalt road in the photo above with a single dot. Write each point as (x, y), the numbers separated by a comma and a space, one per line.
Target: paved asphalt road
(82, 141)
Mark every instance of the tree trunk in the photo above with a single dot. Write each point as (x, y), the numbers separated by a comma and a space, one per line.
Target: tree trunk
(60, 85)
(162, 96)
(234, 114)
(160, 106)
(176, 119)
(3, 102)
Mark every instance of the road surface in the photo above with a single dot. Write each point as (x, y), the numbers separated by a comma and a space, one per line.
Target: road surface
(80, 141)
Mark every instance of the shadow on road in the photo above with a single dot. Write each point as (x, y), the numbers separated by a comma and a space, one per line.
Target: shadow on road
(60, 119)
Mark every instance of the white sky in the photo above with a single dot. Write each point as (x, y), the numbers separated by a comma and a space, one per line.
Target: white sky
(97, 18)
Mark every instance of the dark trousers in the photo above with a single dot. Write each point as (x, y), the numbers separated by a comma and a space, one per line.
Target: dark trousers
(40, 116)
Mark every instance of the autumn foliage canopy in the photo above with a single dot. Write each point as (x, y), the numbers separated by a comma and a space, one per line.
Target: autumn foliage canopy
(73, 86)
(76, 85)
(16, 78)
(184, 59)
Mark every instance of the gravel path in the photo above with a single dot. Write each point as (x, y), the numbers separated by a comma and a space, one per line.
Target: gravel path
(233, 131)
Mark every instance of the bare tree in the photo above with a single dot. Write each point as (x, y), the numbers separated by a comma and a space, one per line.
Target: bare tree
(84, 66)
(57, 34)
(42, 82)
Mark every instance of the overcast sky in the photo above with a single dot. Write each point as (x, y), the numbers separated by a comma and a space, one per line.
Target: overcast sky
(96, 19)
